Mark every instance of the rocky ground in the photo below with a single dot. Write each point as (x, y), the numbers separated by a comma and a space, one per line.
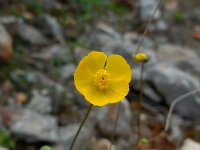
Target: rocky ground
(41, 43)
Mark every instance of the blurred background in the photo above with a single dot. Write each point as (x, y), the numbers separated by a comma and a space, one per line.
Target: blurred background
(41, 43)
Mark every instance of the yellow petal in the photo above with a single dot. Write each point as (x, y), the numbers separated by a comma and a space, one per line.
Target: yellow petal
(118, 68)
(94, 61)
(96, 97)
(89, 65)
(117, 91)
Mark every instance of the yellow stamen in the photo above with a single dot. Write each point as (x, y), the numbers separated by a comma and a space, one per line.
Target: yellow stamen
(102, 79)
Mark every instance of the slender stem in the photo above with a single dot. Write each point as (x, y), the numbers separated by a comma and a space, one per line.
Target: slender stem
(81, 125)
(115, 125)
(148, 25)
(140, 103)
(174, 103)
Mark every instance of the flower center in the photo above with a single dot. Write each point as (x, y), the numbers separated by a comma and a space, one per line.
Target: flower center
(102, 79)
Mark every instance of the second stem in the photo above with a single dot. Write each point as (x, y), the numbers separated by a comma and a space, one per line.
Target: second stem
(140, 104)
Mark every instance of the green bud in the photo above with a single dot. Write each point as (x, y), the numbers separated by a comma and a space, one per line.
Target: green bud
(144, 141)
(45, 147)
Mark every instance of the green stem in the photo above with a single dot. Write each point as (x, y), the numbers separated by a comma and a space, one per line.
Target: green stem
(115, 125)
(140, 103)
(81, 125)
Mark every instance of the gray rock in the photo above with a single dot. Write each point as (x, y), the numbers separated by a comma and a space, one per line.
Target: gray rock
(102, 144)
(51, 28)
(67, 134)
(171, 83)
(134, 38)
(159, 26)
(34, 127)
(110, 41)
(104, 38)
(106, 118)
(10, 23)
(148, 91)
(79, 53)
(3, 148)
(59, 147)
(190, 144)
(30, 77)
(67, 71)
(146, 9)
(40, 103)
(123, 144)
(30, 35)
(184, 58)
(54, 52)
(193, 13)
(8, 20)
(175, 124)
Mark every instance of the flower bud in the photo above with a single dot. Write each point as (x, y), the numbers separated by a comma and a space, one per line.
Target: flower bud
(141, 57)
(45, 147)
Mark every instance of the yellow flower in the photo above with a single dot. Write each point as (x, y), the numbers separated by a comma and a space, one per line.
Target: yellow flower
(141, 57)
(103, 79)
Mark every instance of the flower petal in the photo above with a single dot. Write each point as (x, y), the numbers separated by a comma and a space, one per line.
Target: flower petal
(96, 97)
(117, 91)
(89, 65)
(118, 68)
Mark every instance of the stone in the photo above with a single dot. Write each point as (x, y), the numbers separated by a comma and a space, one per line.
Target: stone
(67, 71)
(51, 28)
(67, 133)
(106, 118)
(159, 26)
(31, 35)
(79, 53)
(57, 53)
(190, 144)
(34, 127)
(175, 126)
(8, 20)
(108, 30)
(104, 38)
(40, 103)
(184, 58)
(6, 49)
(170, 83)
(38, 77)
(148, 90)
(59, 147)
(2, 148)
(10, 23)
(125, 143)
(134, 38)
(102, 144)
(147, 8)
(30, 77)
